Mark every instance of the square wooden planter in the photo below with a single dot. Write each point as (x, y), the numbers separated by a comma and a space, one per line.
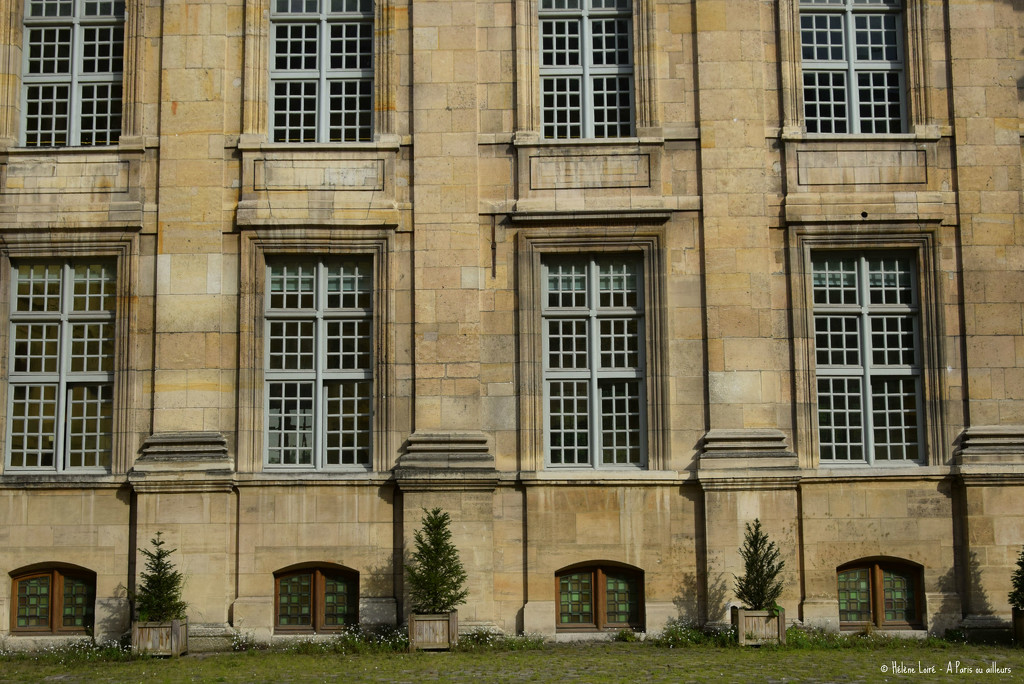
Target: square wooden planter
(160, 638)
(756, 627)
(433, 632)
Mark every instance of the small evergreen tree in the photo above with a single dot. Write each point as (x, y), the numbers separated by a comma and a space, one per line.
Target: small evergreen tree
(158, 598)
(436, 575)
(759, 587)
(1016, 596)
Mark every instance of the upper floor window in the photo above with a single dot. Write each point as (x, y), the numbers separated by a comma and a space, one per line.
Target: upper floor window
(53, 601)
(321, 71)
(71, 86)
(594, 361)
(586, 68)
(852, 54)
(61, 380)
(319, 363)
(868, 358)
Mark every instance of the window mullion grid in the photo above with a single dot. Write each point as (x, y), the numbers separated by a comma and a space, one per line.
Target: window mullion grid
(74, 88)
(61, 425)
(595, 421)
(586, 79)
(852, 91)
(323, 96)
(319, 362)
(867, 412)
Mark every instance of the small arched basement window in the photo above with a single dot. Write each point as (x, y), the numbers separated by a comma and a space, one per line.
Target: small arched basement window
(316, 598)
(56, 599)
(883, 593)
(599, 597)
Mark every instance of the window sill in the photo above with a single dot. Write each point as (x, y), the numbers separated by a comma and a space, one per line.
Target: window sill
(311, 477)
(912, 471)
(53, 480)
(262, 144)
(921, 134)
(580, 476)
(531, 139)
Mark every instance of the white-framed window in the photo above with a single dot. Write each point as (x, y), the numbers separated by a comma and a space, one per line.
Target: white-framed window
(852, 58)
(593, 327)
(321, 71)
(867, 348)
(319, 363)
(61, 380)
(586, 68)
(73, 55)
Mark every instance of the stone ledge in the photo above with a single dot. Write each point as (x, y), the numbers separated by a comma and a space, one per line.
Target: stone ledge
(996, 444)
(446, 460)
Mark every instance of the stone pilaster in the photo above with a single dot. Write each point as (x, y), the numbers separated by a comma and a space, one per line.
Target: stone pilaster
(190, 386)
(446, 220)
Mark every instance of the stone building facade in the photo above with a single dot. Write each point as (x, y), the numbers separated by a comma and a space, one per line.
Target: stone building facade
(604, 279)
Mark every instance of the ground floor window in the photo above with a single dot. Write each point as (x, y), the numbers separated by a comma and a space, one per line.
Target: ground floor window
(600, 597)
(316, 600)
(881, 594)
(53, 600)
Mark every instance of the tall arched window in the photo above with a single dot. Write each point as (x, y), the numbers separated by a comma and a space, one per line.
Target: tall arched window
(315, 599)
(598, 597)
(884, 593)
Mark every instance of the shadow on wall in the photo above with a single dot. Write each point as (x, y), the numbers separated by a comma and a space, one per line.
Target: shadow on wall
(113, 620)
(688, 599)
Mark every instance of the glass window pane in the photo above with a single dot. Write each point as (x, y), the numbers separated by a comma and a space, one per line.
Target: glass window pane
(855, 595)
(34, 603)
(898, 593)
(79, 601)
(576, 600)
(295, 601)
(340, 601)
(622, 597)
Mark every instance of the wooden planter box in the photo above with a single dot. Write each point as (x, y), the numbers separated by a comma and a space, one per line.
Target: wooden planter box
(433, 632)
(160, 638)
(756, 627)
(1018, 627)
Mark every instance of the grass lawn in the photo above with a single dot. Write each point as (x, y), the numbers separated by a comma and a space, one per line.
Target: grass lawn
(607, 662)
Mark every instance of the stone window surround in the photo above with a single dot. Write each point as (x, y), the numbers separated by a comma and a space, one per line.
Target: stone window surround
(920, 243)
(916, 61)
(875, 568)
(528, 106)
(122, 249)
(533, 245)
(256, 245)
(57, 572)
(11, 36)
(256, 78)
(598, 572)
(318, 571)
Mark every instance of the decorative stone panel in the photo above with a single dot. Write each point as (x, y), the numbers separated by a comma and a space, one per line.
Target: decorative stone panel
(82, 188)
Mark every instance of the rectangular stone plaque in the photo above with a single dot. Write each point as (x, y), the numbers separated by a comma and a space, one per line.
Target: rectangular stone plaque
(322, 174)
(65, 177)
(862, 167)
(590, 171)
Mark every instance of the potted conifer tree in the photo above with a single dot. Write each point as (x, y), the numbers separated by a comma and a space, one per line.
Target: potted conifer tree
(1016, 598)
(761, 619)
(160, 627)
(436, 584)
